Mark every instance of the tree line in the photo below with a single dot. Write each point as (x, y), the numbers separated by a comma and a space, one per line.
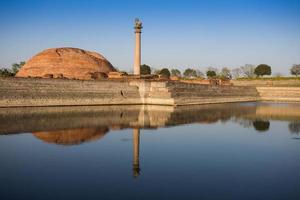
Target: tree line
(246, 71)
(13, 70)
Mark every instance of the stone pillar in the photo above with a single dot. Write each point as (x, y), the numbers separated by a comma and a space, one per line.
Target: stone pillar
(137, 52)
(136, 152)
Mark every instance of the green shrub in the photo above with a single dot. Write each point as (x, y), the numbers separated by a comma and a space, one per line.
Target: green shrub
(145, 69)
(176, 72)
(165, 73)
(211, 74)
(190, 73)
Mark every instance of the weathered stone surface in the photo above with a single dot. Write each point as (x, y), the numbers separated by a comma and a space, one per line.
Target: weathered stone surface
(98, 75)
(117, 75)
(71, 63)
(266, 82)
(286, 94)
(55, 92)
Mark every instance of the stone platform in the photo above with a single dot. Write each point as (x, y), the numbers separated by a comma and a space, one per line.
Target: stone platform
(16, 92)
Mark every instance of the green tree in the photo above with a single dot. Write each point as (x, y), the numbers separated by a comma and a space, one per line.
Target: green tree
(295, 70)
(262, 70)
(176, 72)
(190, 73)
(211, 74)
(165, 73)
(16, 67)
(145, 69)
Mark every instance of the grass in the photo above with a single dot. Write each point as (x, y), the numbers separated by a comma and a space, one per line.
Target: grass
(269, 78)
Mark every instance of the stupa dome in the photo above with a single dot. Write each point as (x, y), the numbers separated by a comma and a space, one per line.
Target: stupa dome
(69, 63)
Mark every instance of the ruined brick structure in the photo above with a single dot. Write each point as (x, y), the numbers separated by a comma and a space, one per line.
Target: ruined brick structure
(70, 63)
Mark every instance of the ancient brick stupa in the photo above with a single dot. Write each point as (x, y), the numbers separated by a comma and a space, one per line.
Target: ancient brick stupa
(71, 63)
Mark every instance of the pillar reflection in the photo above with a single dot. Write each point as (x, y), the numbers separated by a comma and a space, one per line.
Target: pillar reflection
(136, 151)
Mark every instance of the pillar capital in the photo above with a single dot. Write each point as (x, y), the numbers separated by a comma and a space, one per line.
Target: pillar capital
(138, 26)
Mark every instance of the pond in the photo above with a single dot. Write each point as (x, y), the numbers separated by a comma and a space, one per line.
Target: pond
(218, 151)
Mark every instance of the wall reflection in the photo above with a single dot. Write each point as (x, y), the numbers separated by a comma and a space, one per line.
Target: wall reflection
(75, 125)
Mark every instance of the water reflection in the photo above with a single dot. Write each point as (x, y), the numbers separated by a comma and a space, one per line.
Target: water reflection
(71, 136)
(199, 158)
(75, 125)
(294, 127)
(136, 152)
(261, 125)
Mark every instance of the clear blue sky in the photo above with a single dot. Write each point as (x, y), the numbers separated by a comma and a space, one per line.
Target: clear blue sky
(176, 33)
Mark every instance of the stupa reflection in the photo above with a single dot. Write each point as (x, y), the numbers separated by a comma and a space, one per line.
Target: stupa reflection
(71, 136)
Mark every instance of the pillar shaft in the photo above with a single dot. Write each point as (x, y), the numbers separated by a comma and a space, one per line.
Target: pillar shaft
(137, 54)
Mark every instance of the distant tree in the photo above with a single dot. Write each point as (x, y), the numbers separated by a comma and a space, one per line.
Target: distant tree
(13, 71)
(226, 73)
(16, 67)
(165, 73)
(145, 69)
(176, 72)
(262, 70)
(213, 69)
(6, 72)
(236, 73)
(248, 70)
(261, 126)
(199, 74)
(190, 73)
(294, 127)
(295, 70)
(211, 74)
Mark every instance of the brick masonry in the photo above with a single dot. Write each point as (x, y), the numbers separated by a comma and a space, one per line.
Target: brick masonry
(59, 92)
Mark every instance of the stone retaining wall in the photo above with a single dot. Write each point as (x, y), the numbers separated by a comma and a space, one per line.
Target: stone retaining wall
(49, 92)
(59, 92)
(188, 94)
(286, 94)
(267, 82)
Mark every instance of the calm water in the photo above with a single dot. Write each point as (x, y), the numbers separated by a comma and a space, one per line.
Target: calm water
(222, 151)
